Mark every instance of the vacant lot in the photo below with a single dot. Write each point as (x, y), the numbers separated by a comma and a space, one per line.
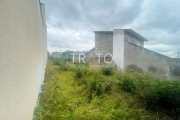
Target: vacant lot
(105, 94)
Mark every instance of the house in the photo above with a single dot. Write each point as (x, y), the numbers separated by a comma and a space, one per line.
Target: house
(127, 48)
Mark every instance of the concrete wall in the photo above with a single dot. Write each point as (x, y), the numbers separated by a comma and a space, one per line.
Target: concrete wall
(133, 40)
(175, 68)
(104, 42)
(118, 48)
(145, 58)
(23, 53)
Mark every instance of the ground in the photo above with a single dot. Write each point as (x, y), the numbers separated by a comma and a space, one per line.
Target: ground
(90, 95)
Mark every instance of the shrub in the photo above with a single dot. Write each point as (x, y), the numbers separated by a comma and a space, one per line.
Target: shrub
(108, 85)
(38, 112)
(97, 84)
(79, 74)
(133, 68)
(107, 70)
(166, 95)
(157, 94)
(142, 83)
(127, 84)
(63, 66)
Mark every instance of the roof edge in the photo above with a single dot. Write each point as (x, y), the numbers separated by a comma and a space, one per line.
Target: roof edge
(129, 30)
(103, 31)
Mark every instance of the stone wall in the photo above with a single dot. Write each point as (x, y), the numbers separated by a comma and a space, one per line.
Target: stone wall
(23, 55)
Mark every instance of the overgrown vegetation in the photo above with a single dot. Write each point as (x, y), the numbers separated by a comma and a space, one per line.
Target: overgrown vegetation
(107, 70)
(83, 94)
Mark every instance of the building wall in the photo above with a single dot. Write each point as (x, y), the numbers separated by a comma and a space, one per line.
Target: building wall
(127, 49)
(175, 68)
(118, 48)
(133, 40)
(23, 55)
(145, 58)
(104, 42)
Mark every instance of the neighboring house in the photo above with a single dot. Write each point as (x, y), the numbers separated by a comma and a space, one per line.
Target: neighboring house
(127, 48)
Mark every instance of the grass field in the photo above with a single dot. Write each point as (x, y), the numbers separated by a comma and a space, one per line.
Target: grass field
(98, 94)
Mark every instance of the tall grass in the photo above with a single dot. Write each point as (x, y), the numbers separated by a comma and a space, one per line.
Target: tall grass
(83, 94)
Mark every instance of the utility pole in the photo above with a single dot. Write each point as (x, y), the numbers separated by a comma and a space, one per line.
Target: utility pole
(178, 54)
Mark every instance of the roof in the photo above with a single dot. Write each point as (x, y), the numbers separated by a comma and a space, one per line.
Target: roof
(103, 31)
(129, 32)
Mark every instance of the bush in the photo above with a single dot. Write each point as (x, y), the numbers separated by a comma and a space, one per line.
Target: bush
(63, 66)
(157, 94)
(165, 95)
(79, 74)
(127, 84)
(96, 84)
(108, 85)
(38, 112)
(133, 68)
(107, 70)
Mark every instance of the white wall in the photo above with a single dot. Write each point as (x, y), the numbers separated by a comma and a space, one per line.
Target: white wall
(118, 48)
(23, 53)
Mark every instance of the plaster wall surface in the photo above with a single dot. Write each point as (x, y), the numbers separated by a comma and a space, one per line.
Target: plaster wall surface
(23, 55)
(118, 48)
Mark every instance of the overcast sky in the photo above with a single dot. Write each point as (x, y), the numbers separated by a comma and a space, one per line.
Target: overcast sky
(70, 23)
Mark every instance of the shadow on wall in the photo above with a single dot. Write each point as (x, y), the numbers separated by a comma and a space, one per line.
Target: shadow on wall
(134, 68)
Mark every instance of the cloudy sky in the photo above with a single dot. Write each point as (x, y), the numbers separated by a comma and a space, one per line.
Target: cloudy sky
(70, 23)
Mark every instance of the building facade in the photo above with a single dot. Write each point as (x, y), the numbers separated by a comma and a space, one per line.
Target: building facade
(127, 48)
